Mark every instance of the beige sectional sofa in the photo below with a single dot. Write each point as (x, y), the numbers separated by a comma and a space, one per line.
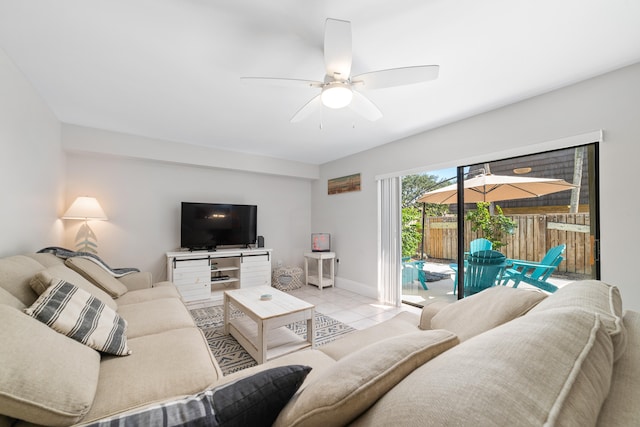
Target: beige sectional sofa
(47, 378)
(502, 357)
(518, 358)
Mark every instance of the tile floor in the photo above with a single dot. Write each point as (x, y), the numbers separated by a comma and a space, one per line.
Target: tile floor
(356, 310)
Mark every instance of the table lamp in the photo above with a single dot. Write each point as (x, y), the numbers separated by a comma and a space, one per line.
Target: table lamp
(86, 208)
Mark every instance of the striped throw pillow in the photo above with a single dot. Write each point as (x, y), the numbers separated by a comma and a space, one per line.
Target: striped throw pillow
(81, 316)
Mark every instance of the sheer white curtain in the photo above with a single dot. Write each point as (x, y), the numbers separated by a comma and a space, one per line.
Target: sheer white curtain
(389, 241)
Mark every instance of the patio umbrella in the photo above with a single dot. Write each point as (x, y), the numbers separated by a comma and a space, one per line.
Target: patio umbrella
(493, 188)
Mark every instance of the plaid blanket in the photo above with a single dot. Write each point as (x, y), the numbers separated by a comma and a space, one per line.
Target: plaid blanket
(197, 410)
(253, 401)
(66, 253)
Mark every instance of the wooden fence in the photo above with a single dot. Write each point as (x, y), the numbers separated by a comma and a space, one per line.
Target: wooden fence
(533, 236)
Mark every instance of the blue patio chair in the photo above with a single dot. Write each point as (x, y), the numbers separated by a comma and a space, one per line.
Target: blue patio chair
(484, 269)
(408, 272)
(422, 275)
(412, 271)
(535, 273)
(476, 245)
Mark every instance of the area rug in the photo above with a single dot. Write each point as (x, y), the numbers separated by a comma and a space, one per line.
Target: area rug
(229, 353)
(434, 277)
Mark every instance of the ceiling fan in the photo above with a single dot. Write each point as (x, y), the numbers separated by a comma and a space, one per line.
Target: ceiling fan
(339, 88)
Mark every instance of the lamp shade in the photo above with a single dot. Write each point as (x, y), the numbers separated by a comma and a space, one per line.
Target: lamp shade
(85, 208)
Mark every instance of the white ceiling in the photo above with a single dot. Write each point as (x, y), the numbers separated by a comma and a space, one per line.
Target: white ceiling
(170, 69)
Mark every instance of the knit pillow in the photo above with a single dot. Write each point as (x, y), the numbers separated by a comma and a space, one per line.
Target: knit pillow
(79, 315)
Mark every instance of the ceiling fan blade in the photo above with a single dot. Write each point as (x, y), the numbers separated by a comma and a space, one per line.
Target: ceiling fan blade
(363, 106)
(337, 48)
(275, 81)
(307, 109)
(396, 77)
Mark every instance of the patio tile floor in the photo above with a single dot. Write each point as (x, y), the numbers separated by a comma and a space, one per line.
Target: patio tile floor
(442, 290)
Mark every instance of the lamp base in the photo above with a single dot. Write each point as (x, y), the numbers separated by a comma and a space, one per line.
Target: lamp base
(86, 240)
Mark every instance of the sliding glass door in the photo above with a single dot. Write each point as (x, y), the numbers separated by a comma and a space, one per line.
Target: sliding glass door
(538, 213)
(539, 210)
(426, 272)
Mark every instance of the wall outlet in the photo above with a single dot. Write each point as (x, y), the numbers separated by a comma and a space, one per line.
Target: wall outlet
(279, 263)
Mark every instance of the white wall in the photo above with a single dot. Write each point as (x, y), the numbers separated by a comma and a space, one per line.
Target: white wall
(610, 102)
(31, 166)
(142, 200)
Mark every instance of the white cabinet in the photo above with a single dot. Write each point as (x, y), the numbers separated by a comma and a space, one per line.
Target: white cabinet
(255, 270)
(193, 279)
(202, 275)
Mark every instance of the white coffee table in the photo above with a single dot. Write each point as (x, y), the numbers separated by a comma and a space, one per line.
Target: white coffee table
(262, 331)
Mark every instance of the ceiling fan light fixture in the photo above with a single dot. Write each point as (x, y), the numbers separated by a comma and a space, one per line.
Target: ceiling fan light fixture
(336, 95)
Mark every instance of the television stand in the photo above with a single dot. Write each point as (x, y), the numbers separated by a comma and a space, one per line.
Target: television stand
(205, 275)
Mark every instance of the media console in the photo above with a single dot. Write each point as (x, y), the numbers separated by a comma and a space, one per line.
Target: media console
(205, 275)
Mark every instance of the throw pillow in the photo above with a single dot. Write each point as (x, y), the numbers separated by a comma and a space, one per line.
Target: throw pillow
(79, 315)
(251, 401)
(485, 310)
(356, 381)
(45, 378)
(597, 297)
(97, 275)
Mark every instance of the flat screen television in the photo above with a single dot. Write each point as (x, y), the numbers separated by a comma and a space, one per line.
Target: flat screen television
(210, 225)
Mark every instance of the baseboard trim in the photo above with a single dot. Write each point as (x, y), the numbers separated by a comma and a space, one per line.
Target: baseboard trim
(356, 287)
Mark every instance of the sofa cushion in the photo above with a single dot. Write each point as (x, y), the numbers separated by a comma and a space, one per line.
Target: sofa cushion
(97, 275)
(152, 317)
(402, 323)
(316, 360)
(356, 381)
(7, 299)
(44, 278)
(597, 297)
(137, 280)
(485, 310)
(79, 315)
(551, 368)
(149, 294)
(45, 377)
(15, 274)
(621, 407)
(47, 259)
(163, 366)
(429, 310)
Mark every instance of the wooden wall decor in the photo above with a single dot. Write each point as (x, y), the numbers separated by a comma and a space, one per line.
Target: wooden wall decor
(344, 184)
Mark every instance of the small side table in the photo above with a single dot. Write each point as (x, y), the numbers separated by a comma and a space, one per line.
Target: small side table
(320, 279)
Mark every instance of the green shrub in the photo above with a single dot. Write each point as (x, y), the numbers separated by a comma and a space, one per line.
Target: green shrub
(411, 231)
(493, 227)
